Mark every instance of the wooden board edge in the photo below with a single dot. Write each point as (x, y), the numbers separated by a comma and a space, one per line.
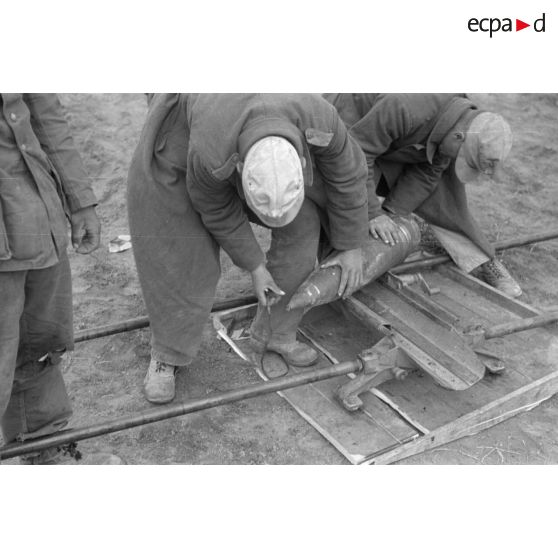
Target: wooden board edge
(523, 399)
(222, 333)
(354, 459)
(493, 295)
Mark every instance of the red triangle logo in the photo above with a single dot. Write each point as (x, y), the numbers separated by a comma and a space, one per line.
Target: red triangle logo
(519, 25)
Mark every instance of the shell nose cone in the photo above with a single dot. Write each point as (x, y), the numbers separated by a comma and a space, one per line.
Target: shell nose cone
(299, 300)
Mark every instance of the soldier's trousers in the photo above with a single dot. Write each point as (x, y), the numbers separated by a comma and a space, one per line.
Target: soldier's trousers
(35, 330)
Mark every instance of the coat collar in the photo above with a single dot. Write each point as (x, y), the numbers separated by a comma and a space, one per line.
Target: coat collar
(259, 129)
(449, 116)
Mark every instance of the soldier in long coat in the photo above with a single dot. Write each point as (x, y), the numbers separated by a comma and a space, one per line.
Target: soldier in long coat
(421, 150)
(208, 165)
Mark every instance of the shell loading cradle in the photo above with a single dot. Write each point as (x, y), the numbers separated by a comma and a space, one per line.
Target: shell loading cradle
(404, 418)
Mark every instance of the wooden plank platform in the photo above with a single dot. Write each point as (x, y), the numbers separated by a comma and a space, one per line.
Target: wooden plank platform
(402, 418)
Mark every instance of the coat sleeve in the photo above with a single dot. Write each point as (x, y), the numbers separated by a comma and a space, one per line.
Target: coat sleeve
(342, 166)
(52, 130)
(416, 185)
(387, 121)
(222, 213)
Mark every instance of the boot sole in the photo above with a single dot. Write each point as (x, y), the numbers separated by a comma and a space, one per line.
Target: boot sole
(292, 363)
(158, 400)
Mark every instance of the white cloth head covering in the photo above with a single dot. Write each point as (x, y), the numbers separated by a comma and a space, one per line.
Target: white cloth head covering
(272, 181)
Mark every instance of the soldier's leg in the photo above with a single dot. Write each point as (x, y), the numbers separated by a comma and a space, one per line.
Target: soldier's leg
(178, 268)
(12, 294)
(39, 403)
(290, 259)
(470, 258)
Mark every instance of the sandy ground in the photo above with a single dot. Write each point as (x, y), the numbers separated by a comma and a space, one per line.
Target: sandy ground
(104, 376)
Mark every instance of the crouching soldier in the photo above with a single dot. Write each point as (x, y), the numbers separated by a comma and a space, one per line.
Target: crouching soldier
(421, 150)
(42, 185)
(208, 165)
